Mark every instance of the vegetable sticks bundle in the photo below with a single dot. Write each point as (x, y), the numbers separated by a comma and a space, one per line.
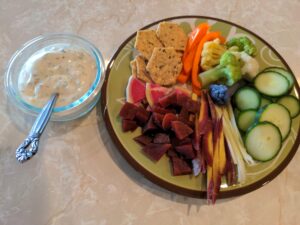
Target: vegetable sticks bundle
(192, 55)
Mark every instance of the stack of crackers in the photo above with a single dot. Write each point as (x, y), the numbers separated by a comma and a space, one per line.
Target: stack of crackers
(160, 53)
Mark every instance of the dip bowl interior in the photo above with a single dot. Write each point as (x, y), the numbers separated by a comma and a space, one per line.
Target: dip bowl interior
(52, 43)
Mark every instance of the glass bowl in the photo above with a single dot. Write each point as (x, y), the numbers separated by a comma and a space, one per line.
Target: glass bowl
(54, 43)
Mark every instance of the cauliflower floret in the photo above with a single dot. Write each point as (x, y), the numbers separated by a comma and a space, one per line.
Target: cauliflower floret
(211, 54)
(250, 66)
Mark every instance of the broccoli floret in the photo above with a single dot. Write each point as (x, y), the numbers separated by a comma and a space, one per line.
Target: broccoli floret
(229, 71)
(221, 94)
(243, 44)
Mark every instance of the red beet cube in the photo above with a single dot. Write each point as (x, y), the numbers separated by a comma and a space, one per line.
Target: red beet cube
(181, 130)
(141, 116)
(161, 110)
(192, 106)
(180, 166)
(128, 111)
(181, 99)
(128, 125)
(143, 139)
(168, 118)
(183, 115)
(188, 103)
(157, 119)
(172, 153)
(186, 150)
(161, 138)
(177, 142)
(156, 151)
(170, 99)
(150, 126)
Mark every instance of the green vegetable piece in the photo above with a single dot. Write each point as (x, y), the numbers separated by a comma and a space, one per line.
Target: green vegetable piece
(243, 44)
(228, 70)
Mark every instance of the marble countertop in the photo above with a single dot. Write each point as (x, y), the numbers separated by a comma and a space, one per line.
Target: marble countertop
(79, 177)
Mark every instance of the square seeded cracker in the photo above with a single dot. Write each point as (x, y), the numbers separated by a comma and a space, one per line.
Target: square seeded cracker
(164, 66)
(138, 69)
(142, 73)
(133, 68)
(146, 41)
(172, 35)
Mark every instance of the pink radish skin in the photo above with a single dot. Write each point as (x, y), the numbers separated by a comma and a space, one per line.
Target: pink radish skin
(154, 92)
(135, 90)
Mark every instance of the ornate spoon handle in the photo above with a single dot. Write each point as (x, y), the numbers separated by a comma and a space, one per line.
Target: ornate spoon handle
(30, 145)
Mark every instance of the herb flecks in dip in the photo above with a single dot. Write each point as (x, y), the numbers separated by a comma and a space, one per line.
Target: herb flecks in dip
(68, 72)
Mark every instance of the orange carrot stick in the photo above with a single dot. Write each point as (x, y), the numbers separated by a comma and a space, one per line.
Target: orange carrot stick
(187, 47)
(188, 61)
(194, 40)
(182, 78)
(191, 39)
(196, 90)
(194, 37)
(197, 36)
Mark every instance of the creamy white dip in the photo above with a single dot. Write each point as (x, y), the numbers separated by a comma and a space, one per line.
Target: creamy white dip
(67, 72)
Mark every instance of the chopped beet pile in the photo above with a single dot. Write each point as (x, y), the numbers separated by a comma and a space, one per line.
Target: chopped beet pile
(167, 128)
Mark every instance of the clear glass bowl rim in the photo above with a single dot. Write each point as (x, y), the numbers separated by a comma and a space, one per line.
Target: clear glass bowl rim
(99, 77)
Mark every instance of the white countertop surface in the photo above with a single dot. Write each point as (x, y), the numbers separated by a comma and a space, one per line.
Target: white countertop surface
(78, 177)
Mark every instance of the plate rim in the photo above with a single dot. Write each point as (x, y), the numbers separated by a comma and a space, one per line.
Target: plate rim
(163, 183)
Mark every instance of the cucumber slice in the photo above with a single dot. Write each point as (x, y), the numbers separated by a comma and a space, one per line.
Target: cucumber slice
(264, 102)
(279, 116)
(247, 98)
(291, 103)
(271, 83)
(283, 72)
(246, 119)
(263, 141)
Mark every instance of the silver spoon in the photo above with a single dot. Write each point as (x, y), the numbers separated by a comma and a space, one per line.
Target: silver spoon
(30, 145)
